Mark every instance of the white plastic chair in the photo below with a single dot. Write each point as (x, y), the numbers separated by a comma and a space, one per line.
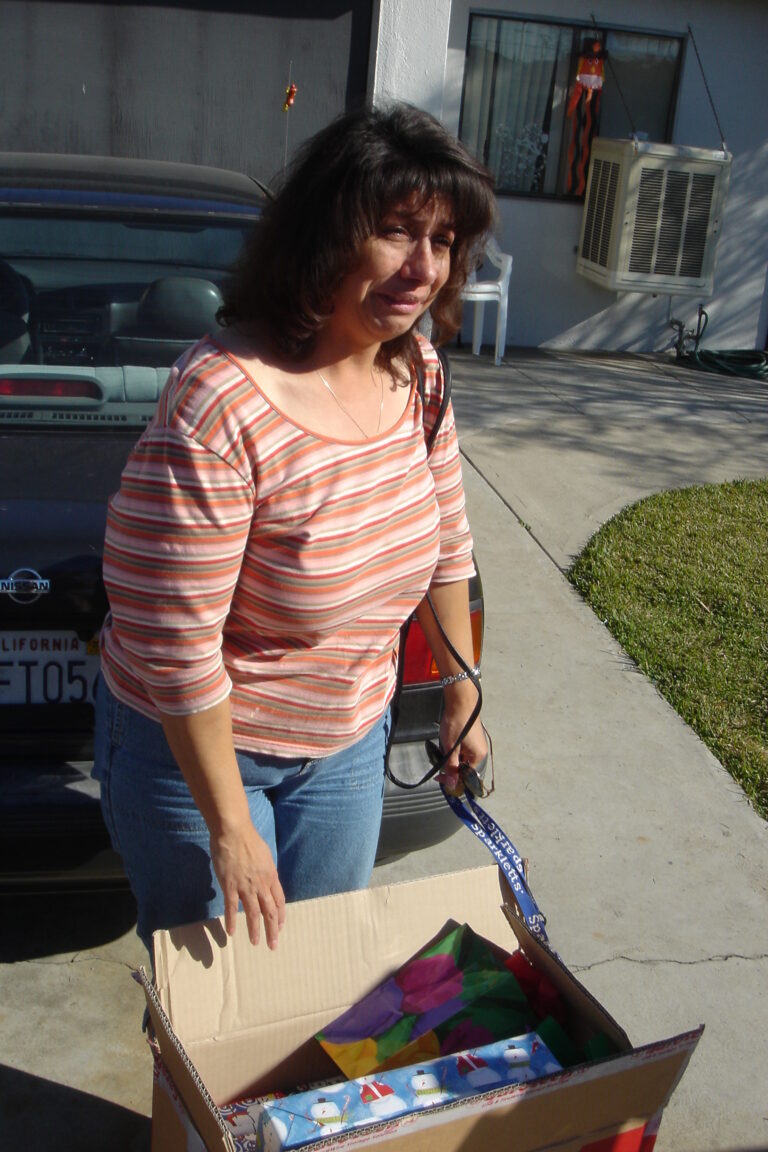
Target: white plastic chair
(481, 292)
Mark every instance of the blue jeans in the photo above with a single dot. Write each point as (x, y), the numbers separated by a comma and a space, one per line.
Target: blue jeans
(320, 818)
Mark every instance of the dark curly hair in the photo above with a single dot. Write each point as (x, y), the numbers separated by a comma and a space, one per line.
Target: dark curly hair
(334, 196)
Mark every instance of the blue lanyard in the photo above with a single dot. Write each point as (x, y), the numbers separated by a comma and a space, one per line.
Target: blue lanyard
(506, 856)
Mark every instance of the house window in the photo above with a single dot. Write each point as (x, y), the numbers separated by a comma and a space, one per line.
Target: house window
(536, 94)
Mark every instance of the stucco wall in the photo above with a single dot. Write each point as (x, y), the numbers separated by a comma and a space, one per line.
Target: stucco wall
(410, 51)
(551, 305)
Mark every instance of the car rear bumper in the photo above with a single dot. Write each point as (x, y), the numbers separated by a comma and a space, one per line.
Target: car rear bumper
(412, 818)
(52, 837)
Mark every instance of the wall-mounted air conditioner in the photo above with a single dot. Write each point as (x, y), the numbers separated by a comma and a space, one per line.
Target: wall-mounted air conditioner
(652, 215)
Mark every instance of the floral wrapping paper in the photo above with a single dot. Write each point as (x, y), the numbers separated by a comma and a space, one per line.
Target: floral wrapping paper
(457, 993)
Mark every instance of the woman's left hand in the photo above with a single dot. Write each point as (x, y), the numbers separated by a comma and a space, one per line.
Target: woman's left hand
(473, 748)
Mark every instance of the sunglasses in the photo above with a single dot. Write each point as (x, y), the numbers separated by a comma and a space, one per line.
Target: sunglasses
(473, 779)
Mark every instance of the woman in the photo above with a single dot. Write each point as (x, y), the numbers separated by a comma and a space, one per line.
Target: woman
(276, 523)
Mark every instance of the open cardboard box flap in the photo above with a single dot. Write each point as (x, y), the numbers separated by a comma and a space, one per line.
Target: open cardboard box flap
(233, 1021)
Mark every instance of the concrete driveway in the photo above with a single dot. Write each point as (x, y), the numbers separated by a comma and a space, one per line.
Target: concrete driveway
(645, 856)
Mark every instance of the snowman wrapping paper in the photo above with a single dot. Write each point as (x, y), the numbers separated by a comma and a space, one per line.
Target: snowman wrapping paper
(271, 1124)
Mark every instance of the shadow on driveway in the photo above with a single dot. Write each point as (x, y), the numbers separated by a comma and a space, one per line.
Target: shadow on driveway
(54, 924)
(39, 1115)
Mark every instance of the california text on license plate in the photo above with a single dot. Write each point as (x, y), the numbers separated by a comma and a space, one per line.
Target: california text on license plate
(47, 668)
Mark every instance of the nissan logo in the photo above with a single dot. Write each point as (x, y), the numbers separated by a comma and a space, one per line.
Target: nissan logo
(24, 586)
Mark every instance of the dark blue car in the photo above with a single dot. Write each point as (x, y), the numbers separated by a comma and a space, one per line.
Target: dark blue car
(109, 269)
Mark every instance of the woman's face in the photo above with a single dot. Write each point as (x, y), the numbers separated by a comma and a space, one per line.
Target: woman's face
(402, 268)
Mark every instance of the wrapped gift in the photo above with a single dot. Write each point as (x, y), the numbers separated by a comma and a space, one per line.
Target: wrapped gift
(456, 993)
(292, 1121)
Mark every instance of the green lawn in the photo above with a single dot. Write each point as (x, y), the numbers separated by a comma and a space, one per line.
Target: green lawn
(681, 581)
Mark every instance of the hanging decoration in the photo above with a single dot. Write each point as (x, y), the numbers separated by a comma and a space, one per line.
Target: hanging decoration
(583, 112)
(290, 96)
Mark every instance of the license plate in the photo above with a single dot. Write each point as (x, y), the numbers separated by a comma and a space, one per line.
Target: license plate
(47, 668)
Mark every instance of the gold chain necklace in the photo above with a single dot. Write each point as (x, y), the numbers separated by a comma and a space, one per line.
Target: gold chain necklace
(346, 411)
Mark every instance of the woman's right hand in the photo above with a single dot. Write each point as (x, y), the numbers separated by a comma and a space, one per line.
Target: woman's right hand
(203, 747)
(247, 874)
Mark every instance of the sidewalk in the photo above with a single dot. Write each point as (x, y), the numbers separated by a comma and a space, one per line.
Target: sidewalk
(646, 858)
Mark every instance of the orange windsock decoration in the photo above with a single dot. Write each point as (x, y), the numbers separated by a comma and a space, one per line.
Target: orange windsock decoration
(583, 112)
(590, 76)
(290, 96)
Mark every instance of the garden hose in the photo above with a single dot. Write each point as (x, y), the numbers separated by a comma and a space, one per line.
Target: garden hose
(737, 363)
(753, 364)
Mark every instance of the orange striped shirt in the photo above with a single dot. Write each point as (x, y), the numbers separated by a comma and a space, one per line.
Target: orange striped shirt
(245, 555)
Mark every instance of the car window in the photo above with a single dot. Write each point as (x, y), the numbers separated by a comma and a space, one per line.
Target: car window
(95, 307)
(213, 245)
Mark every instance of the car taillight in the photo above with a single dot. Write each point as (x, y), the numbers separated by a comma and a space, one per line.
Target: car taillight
(31, 386)
(419, 665)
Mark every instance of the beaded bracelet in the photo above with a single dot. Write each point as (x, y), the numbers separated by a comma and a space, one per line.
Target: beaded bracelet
(446, 680)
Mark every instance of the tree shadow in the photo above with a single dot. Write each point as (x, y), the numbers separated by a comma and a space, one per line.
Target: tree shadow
(567, 439)
(38, 1115)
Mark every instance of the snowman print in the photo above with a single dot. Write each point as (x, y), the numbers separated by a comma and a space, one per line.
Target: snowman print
(241, 1121)
(327, 1116)
(518, 1060)
(380, 1099)
(426, 1089)
(475, 1070)
(271, 1133)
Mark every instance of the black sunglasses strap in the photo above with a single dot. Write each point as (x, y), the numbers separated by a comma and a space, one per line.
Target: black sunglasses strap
(439, 758)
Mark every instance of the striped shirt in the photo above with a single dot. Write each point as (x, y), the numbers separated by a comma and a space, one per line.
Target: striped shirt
(246, 555)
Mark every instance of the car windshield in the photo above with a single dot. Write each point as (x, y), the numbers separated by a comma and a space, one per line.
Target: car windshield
(195, 243)
(95, 305)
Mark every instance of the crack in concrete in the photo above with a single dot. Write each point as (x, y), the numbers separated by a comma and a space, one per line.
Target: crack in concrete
(77, 958)
(654, 961)
(476, 468)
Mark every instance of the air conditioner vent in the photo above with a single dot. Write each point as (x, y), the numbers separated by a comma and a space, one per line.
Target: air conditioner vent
(652, 216)
(589, 249)
(610, 205)
(598, 224)
(695, 242)
(646, 220)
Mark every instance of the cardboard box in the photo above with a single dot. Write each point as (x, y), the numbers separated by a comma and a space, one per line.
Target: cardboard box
(231, 1021)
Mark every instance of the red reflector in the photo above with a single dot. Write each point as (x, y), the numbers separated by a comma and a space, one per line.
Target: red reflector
(419, 665)
(31, 386)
